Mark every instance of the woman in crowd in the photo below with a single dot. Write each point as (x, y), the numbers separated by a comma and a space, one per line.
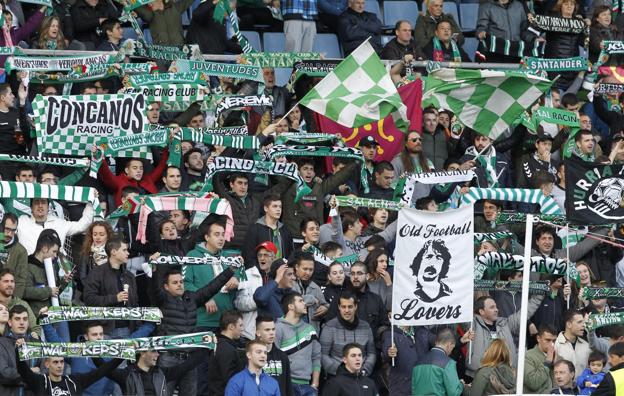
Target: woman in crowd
(495, 376)
(602, 28)
(379, 280)
(51, 35)
(93, 253)
(378, 223)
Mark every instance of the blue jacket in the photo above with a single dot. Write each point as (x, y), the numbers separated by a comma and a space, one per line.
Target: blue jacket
(244, 384)
(585, 376)
(269, 297)
(103, 386)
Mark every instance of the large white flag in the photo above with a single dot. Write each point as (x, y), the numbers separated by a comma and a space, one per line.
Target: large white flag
(433, 267)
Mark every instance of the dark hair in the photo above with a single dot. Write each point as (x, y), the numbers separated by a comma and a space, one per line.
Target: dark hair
(108, 25)
(5, 271)
(597, 11)
(617, 349)
(579, 135)
(205, 226)
(542, 177)
(397, 25)
(376, 241)
(480, 303)
(340, 161)
(350, 346)
(271, 198)
(430, 110)
(289, 299)
(406, 157)
(229, 317)
(441, 21)
(445, 336)
(360, 264)
(261, 318)
(238, 175)
(127, 190)
(90, 324)
(347, 295)
(8, 216)
(304, 223)
(567, 363)
(304, 160)
(544, 230)
(382, 167)
(23, 167)
(47, 170)
(348, 219)
(595, 356)
(570, 314)
(113, 243)
(173, 271)
(16, 310)
(166, 172)
(330, 246)
(506, 274)
(371, 259)
(569, 99)
(87, 85)
(191, 151)
(438, 246)
(300, 256)
(47, 239)
(162, 224)
(4, 88)
(422, 203)
(547, 328)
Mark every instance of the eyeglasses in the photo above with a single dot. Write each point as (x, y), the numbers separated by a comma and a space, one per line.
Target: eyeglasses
(358, 273)
(8, 230)
(414, 140)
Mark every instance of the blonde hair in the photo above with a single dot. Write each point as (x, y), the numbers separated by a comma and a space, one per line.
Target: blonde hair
(497, 352)
(43, 35)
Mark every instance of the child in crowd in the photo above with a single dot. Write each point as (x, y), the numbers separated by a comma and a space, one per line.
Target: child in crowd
(590, 378)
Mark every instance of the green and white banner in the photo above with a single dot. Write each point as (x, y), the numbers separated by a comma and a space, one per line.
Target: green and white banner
(234, 262)
(165, 93)
(547, 204)
(42, 160)
(33, 63)
(500, 261)
(556, 116)
(206, 340)
(114, 145)
(72, 124)
(57, 314)
(601, 320)
(507, 218)
(404, 190)
(346, 261)
(286, 169)
(237, 101)
(168, 78)
(576, 63)
(368, 202)
(480, 237)
(540, 287)
(233, 70)
(137, 48)
(318, 151)
(189, 134)
(309, 139)
(278, 59)
(594, 293)
(114, 349)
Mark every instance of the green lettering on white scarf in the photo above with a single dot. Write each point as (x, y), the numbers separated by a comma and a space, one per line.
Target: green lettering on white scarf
(231, 70)
(278, 59)
(577, 63)
(113, 349)
(73, 313)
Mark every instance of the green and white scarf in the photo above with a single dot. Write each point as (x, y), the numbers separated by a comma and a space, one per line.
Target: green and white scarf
(438, 52)
(188, 134)
(226, 164)
(166, 93)
(539, 287)
(346, 261)
(73, 313)
(368, 203)
(206, 340)
(480, 237)
(316, 68)
(113, 349)
(32, 63)
(556, 116)
(601, 320)
(609, 88)
(43, 160)
(132, 5)
(577, 63)
(404, 189)
(9, 189)
(113, 145)
(594, 293)
(547, 204)
(487, 161)
(139, 48)
(500, 261)
(234, 262)
(308, 139)
(168, 78)
(232, 70)
(508, 218)
(316, 151)
(278, 59)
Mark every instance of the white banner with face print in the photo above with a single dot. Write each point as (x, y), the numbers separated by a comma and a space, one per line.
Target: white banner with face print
(433, 267)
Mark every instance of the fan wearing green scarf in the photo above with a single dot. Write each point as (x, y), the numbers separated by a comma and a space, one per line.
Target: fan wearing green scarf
(443, 47)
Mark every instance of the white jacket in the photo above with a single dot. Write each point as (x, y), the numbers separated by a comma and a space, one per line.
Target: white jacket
(245, 303)
(577, 355)
(28, 230)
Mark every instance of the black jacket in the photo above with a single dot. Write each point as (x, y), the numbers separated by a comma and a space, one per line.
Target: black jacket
(355, 28)
(180, 313)
(226, 362)
(614, 119)
(86, 20)
(607, 385)
(371, 308)
(102, 286)
(278, 367)
(332, 296)
(349, 384)
(395, 50)
(209, 34)
(259, 232)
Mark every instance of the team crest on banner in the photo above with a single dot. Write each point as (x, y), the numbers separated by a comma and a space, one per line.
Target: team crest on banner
(70, 125)
(433, 270)
(595, 193)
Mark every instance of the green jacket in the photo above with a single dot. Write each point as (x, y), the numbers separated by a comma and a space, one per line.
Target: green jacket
(482, 385)
(538, 377)
(15, 258)
(436, 375)
(198, 276)
(426, 26)
(166, 25)
(36, 291)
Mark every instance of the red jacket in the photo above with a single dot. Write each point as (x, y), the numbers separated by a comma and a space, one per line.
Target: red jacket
(118, 182)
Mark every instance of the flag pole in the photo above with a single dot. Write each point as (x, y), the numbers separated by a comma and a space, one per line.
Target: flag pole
(526, 273)
(392, 336)
(568, 260)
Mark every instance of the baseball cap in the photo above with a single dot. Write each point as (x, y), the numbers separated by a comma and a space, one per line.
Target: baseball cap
(541, 136)
(368, 141)
(268, 245)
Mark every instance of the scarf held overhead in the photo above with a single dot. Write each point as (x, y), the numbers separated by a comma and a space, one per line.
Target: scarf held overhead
(57, 314)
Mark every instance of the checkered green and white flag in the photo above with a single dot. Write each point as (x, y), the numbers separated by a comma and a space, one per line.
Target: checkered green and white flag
(357, 92)
(487, 101)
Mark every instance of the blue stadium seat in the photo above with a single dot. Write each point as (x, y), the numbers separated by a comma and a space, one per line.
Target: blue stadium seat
(254, 39)
(274, 42)
(470, 46)
(395, 11)
(148, 36)
(385, 39)
(129, 33)
(282, 75)
(450, 7)
(186, 18)
(327, 44)
(373, 6)
(195, 4)
(469, 14)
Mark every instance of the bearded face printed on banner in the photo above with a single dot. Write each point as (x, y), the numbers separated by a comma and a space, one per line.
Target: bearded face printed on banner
(609, 193)
(430, 267)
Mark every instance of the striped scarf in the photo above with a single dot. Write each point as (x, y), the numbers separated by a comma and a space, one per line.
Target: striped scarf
(368, 203)
(190, 134)
(547, 204)
(495, 45)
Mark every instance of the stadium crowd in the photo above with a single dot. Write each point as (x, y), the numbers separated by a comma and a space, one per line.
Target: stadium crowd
(290, 323)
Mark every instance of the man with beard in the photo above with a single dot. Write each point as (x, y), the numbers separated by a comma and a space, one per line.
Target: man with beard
(9, 300)
(430, 267)
(412, 159)
(194, 166)
(370, 305)
(368, 146)
(490, 170)
(14, 256)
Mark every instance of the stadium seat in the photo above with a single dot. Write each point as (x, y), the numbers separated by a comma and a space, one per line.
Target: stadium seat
(327, 44)
(129, 33)
(450, 7)
(282, 75)
(470, 46)
(254, 39)
(186, 18)
(195, 4)
(395, 11)
(274, 42)
(385, 39)
(148, 36)
(469, 14)
(373, 6)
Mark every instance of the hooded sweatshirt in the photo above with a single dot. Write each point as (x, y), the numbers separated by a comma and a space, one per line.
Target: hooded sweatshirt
(300, 343)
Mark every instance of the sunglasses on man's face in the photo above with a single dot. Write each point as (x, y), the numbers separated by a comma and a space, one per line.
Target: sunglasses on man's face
(415, 140)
